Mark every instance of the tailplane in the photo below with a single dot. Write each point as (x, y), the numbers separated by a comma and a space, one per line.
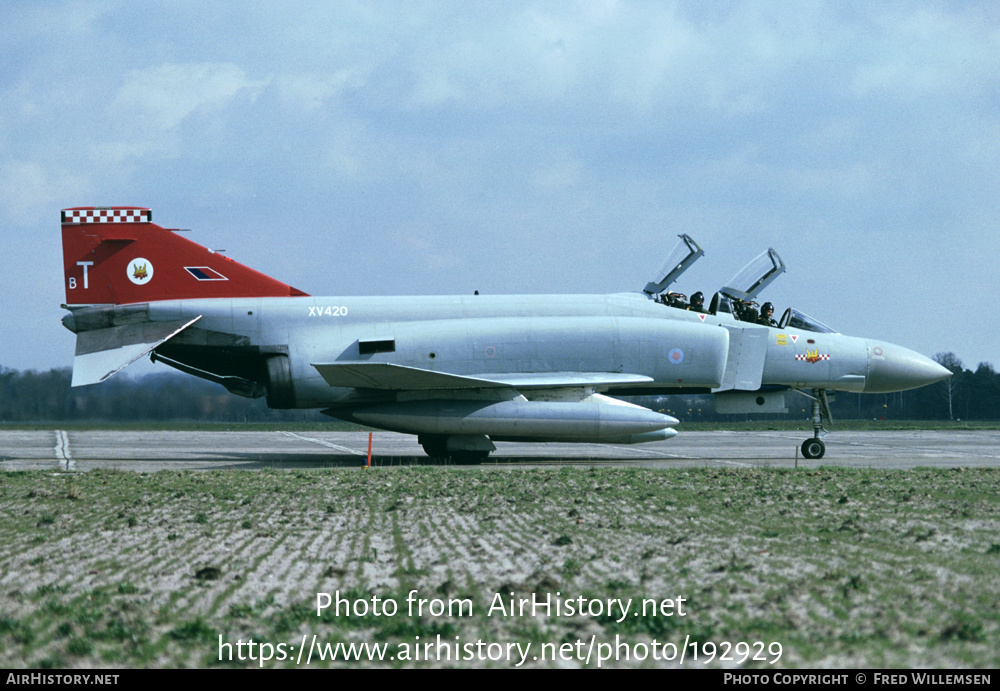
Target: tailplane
(118, 256)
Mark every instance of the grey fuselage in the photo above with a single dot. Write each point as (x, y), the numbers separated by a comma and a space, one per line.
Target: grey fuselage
(676, 350)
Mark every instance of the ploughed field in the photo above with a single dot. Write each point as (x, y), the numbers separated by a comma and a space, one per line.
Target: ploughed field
(472, 567)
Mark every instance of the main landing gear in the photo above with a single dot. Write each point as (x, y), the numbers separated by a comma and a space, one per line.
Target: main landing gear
(462, 450)
(815, 448)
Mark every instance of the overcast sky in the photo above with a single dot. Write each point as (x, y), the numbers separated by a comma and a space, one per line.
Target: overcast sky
(380, 148)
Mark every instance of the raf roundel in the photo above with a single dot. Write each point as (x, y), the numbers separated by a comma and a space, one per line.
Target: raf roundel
(140, 271)
(675, 356)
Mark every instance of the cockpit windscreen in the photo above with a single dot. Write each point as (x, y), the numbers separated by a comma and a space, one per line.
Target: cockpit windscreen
(794, 319)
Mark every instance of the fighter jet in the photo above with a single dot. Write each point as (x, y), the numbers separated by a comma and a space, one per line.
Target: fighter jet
(461, 372)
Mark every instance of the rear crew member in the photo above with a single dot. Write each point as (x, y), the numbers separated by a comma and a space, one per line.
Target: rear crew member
(697, 303)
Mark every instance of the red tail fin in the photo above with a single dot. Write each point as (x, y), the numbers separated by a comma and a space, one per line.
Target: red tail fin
(118, 256)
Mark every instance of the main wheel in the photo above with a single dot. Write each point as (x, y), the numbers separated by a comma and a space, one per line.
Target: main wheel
(435, 445)
(813, 448)
(469, 457)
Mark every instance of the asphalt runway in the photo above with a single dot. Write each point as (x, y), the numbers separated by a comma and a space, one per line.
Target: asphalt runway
(152, 451)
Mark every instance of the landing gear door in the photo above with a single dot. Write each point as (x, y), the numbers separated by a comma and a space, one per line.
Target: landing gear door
(755, 276)
(684, 255)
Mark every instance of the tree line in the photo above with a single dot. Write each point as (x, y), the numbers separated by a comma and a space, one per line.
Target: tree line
(31, 396)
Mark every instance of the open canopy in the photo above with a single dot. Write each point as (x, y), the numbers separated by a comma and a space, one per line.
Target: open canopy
(683, 255)
(755, 276)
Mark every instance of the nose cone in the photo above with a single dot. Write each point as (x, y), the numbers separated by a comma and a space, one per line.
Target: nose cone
(893, 368)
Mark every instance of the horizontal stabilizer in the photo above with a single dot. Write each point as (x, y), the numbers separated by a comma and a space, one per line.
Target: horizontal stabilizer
(102, 353)
(390, 377)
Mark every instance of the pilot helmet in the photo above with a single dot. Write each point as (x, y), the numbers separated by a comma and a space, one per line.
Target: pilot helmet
(697, 298)
(766, 307)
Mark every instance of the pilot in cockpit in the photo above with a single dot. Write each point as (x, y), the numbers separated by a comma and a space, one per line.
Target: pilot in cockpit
(697, 303)
(766, 315)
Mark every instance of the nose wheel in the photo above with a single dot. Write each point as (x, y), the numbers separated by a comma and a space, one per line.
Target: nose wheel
(815, 448)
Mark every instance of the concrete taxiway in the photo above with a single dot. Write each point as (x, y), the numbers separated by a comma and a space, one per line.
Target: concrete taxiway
(151, 451)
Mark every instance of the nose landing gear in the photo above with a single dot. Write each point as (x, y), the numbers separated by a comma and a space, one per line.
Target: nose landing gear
(814, 447)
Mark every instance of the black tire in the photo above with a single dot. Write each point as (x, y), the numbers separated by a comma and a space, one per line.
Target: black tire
(469, 457)
(435, 445)
(813, 448)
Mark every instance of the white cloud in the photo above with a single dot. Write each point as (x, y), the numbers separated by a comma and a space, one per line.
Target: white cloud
(930, 52)
(558, 175)
(29, 190)
(311, 91)
(163, 96)
(744, 123)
